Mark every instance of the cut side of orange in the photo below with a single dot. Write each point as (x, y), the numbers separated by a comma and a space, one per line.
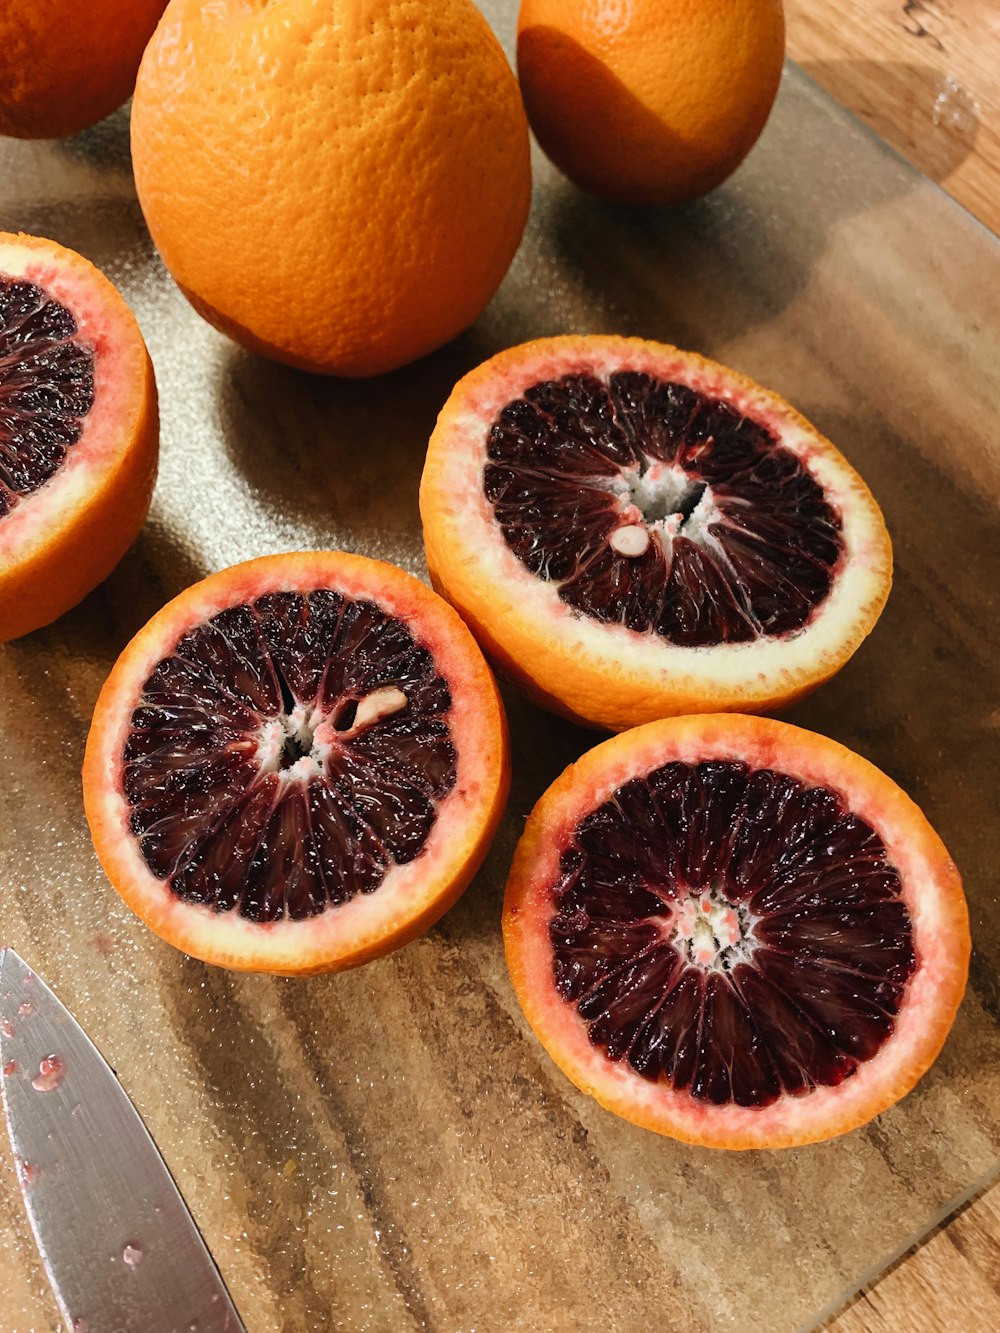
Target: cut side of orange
(297, 765)
(79, 432)
(735, 932)
(634, 532)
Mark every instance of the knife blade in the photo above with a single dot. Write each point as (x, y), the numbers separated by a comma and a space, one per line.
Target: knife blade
(119, 1245)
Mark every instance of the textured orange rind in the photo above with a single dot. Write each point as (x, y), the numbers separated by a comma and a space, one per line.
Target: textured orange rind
(340, 187)
(650, 101)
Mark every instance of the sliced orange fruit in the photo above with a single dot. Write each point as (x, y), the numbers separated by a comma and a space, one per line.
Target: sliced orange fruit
(634, 532)
(297, 765)
(735, 932)
(79, 430)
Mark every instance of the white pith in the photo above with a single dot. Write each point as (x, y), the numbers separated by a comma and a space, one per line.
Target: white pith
(514, 610)
(300, 726)
(650, 500)
(313, 729)
(708, 931)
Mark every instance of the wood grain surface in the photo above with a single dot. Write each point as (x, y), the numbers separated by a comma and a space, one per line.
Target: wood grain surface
(925, 75)
(390, 1150)
(949, 1283)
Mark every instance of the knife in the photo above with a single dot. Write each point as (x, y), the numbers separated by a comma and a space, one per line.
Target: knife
(119, 1246)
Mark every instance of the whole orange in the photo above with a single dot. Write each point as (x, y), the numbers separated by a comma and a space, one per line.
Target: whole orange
(65, 65)
(339, 186)
(649, 101)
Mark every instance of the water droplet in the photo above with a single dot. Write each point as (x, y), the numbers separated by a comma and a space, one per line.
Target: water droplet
(51, 1072)
(6, 1027)
(80, 1326)
(956, 109)
(11, 1068)
(25, 1008)
(132, 1254)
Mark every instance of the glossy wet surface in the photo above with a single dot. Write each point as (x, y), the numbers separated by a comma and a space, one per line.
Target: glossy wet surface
(46, 388)
(732, 932)
(288, 754)
(730, 537)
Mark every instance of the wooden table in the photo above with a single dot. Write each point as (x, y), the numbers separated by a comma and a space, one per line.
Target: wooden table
(925, 75)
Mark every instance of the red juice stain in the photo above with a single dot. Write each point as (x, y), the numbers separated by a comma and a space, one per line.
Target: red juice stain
(28, 1172)
(51, 1072)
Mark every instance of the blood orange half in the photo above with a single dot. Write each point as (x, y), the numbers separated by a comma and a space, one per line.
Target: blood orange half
(735, 932)
(297, 765)
(634, 532)
(78, 431)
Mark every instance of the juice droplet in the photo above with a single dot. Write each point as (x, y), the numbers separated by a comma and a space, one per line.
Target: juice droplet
(7, 1027)
(27, 1172)
(26, 1008)
(132, 1254)
(51, 1072)
(11, 1068)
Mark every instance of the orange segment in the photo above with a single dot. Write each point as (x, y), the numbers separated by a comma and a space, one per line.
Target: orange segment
(341, 187)
(735, 932)
(297, 765)
(79, 431)
(632, 532)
